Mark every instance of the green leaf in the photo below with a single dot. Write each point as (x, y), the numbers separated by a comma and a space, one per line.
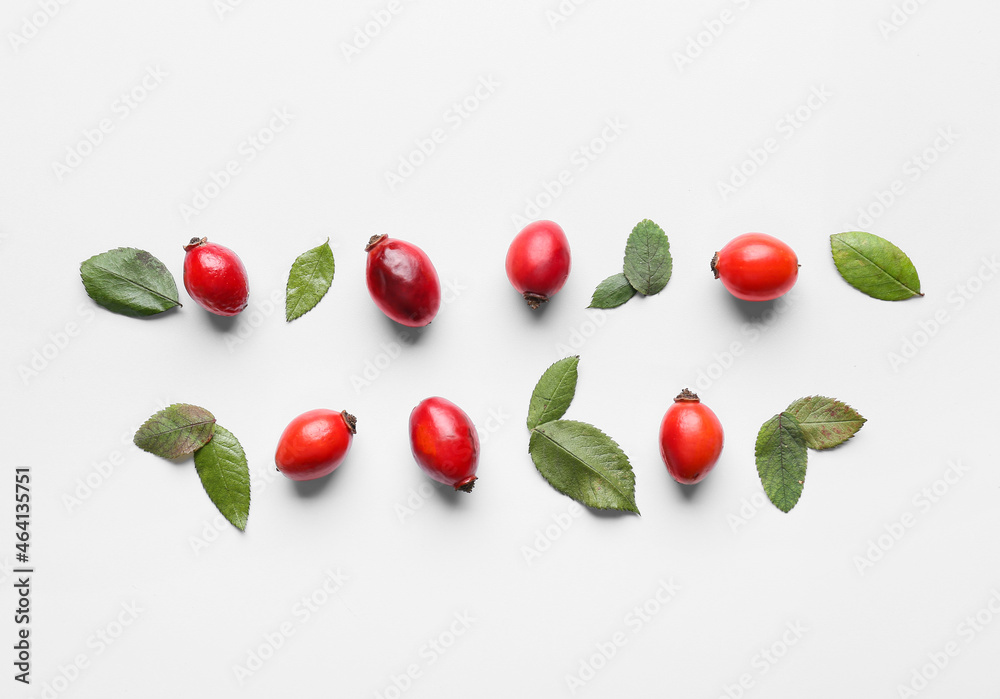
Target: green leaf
(612, 292)
(309, 280)
(648, 264)
(582, 462)
(781, 460)
(825, 422)
(175, 431)
(875, 266)
(222, 467)
(129, 281)
(553, 393)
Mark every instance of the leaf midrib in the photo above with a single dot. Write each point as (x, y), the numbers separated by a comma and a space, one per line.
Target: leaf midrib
(879, 267)
(215, 462)
(183, 427)
(299, 293)
(176, 302)
(585, 464)
(551, 398)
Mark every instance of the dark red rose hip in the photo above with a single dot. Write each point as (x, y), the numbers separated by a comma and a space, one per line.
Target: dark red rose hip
(402, 281)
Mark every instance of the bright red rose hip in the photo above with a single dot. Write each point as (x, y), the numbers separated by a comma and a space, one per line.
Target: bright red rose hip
(215, 277)
(402, 281)
(691, 439)
(538, 261)
(314, 444)
(756, 267)
(445, 443)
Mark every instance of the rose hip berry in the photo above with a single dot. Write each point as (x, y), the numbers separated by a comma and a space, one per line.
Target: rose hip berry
(402, 281)
(215, 277)
(445, 443)
(314, 444)
(538, 261)
(691, 439)
(756, 267)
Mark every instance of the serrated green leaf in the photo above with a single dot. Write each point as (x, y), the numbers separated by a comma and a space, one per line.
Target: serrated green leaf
(309, 280)
(781, 460)
(648, 264)
(129, 281)
(582, 462)
(222, 467)
(875, 266)
(612, 292)
(826, 422)
(175, 431)
(553, 393)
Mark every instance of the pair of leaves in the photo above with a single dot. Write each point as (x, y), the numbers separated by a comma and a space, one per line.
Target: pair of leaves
(646, 270)
(129, 281)
(576, 458)
(219, 459)
(815, 422)
(875, 266)
(309, 280)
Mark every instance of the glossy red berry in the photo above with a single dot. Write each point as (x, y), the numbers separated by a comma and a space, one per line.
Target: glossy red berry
(691, 439)
(314, 444)
(756, 267)
(445, 443)
(215, 277)
(538, 261)
(402, 281)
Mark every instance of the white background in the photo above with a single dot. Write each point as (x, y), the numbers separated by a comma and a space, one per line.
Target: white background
(413, 557)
